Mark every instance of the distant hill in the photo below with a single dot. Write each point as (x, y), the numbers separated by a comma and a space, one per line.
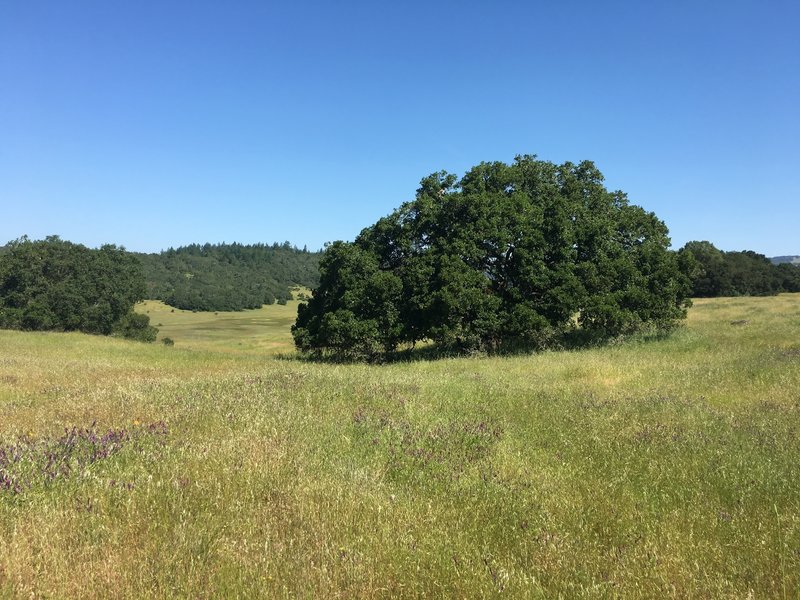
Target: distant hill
(778, 260)
(211, 277)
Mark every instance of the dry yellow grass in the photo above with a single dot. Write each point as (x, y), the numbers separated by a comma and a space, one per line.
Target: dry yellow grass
(664, 468)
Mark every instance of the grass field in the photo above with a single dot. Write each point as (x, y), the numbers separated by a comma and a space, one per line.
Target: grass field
(665, 468)
(265, 330)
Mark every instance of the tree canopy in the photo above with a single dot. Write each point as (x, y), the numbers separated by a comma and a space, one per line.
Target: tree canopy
(53, 284)
(508, 257)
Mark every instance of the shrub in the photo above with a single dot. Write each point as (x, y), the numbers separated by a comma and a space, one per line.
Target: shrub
(135, 326)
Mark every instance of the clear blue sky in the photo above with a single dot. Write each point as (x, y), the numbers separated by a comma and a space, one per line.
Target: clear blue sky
(159, 123)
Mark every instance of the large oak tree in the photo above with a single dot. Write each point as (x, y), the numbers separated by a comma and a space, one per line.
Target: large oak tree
(508, 257)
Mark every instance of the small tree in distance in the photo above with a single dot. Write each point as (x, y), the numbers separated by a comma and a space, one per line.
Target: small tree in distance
(509, 257)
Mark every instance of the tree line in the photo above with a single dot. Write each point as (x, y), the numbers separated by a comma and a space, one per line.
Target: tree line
(53, 284)
(222, 277)
(717, 273)
(508, 257)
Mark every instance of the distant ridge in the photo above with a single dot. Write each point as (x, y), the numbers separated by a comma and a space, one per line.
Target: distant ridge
(777, 260)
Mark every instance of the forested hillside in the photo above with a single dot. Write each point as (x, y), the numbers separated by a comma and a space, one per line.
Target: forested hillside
(747, 273)
(228, 276)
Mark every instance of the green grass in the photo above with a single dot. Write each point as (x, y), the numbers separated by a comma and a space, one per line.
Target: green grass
(656, 469)
(265, 330)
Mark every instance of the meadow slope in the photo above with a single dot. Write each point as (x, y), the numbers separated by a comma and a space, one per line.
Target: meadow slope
(662, 468)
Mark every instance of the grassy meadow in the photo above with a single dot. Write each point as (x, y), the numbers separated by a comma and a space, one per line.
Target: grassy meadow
(265, 330)
(214, 468)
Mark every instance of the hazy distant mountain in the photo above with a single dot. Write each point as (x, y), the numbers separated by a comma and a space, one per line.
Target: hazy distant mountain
(776, 260)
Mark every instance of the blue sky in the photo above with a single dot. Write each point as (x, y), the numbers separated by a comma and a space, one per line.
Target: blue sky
(153, 124)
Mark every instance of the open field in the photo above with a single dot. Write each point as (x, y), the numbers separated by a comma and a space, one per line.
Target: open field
(666, 468)
(265, 330)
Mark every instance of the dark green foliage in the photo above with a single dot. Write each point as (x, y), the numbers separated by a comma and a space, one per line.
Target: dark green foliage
(789, 275)
(136, 326)
(168, 341)
(56, 285)
(510, 257)
(214, 277)
(355, 307)
(717, 273)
